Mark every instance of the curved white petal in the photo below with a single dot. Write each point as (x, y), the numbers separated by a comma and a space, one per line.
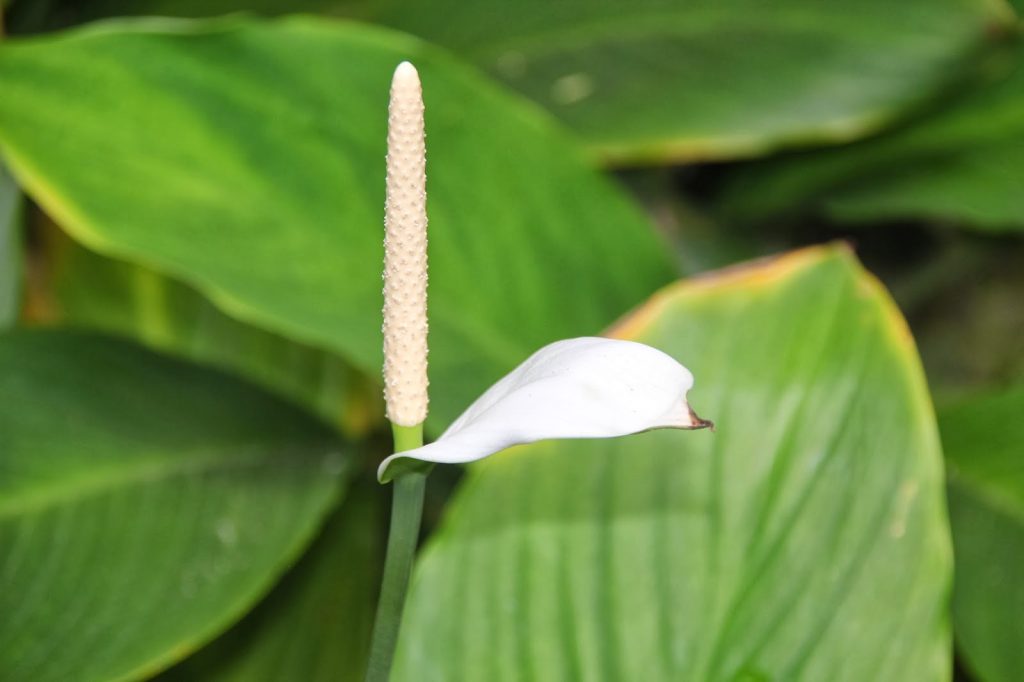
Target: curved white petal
(577, 388)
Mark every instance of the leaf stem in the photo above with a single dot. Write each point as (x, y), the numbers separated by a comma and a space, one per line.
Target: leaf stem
(406, 512)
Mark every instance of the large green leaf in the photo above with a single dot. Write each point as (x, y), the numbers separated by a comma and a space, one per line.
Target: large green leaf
(656, 80)
(805, 540)
(89, 290)
(984, 442)
(963, 163)
(315, 626)
(10, 249)
(38, 16)
(246, 158)
(207, 8)
(145, 504)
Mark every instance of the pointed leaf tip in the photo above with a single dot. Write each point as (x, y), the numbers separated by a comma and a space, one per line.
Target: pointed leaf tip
(587, 387)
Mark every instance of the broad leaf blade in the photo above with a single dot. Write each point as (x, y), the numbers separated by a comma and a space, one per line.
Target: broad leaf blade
(315, 625)
(962, 163)
(145, 504)
(984, 442)
(246, 158)
(86, 289)
(804, 540)
(655, 81)
(208, 8)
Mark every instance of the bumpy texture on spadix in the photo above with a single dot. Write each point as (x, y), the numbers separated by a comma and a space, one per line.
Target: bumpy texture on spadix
(405, 253)
(577, 388)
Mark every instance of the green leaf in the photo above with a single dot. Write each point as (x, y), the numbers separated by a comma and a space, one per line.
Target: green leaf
(210, 8)
(963, 163)
(10, 249)
(246, 158)
(145, 504)
(708, 79)
(805, 540)
(315, 626)
(984, 442)
(89, 290)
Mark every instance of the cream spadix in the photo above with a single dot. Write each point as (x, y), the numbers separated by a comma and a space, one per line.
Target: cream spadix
(405, 253)
(577, 388)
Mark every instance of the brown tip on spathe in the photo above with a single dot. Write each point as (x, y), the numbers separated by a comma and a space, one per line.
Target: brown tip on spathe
(697, 422)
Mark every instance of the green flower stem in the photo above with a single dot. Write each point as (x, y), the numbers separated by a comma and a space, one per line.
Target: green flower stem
(406, 511)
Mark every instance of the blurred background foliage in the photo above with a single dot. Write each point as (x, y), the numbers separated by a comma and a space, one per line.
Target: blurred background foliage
(742, 128)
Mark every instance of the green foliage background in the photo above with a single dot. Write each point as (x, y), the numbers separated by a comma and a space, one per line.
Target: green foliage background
(190, 237)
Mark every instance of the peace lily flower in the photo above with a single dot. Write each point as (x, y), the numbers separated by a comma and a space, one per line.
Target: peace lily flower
(577, 388)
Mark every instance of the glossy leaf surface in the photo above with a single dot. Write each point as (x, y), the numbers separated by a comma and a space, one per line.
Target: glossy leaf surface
(86, 289)
(963, 164)
(983, 440)
(805, 540)
(656, 80)
(263, 141)
(315, 625)
(145, 504)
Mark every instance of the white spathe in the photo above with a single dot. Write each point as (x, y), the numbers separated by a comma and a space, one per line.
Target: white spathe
(577, 388)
